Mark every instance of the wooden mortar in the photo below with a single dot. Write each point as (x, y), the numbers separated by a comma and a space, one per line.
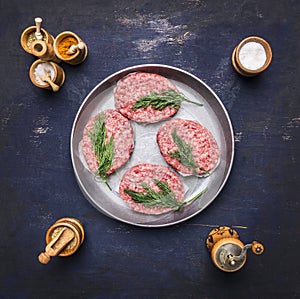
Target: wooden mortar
(80, 54)
(59, 74)
(239, 67)
(63, 239)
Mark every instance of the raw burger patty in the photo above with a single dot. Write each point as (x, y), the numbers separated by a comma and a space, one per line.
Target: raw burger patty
(205, 150)
(117, 126)
(134, 86)
(146, 173)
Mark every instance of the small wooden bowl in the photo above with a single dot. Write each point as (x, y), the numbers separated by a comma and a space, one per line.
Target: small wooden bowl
(73, 245)
(26, 45)
(237, 64)
(58, 79)
(76, 223)
(78, 57)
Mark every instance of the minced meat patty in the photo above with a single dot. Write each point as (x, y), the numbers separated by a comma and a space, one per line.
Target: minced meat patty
(117, 126)
(204, 148)
(147, 173)
(136, 85)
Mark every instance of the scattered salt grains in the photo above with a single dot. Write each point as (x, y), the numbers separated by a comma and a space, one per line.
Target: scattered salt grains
(252, 55)
(41, 70)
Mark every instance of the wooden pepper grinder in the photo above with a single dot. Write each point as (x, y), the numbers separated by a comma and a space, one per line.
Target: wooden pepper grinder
(35, 33)
(228, 253)
(44, 51)
(63, 238)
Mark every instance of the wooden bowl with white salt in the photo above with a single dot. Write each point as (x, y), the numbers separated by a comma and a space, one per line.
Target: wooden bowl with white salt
(252, 56)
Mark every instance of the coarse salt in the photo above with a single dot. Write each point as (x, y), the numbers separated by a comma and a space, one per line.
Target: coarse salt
(252, 55)
(41, 70)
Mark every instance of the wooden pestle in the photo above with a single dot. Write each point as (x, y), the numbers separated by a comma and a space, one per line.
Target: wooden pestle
(64, 237)
(74, 48)
(46, 78)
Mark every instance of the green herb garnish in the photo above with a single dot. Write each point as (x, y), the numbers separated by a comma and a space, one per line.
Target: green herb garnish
(162, 99)
(184, 154)
(163, 198)
(104, 151)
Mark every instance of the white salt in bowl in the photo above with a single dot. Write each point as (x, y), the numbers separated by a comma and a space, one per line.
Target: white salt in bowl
(57, 74)
(252, 56)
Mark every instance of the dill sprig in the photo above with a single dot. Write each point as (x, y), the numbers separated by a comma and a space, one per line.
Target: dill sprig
(104, 151)
(162, 99)
(163, 198)
(184, 154)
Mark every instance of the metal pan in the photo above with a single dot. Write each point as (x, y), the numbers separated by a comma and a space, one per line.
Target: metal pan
(212, 115)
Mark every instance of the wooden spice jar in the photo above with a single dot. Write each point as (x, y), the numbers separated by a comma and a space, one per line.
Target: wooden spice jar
(46, 75)
(251, 56)
(28, 37)
(70, 48)
(63, 238)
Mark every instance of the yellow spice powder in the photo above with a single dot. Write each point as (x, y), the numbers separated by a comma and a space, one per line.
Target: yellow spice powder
(65, 44)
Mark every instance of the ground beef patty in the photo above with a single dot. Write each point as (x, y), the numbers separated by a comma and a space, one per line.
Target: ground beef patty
(117, 126)
(147, 173)
(204, 148)
(136, 85)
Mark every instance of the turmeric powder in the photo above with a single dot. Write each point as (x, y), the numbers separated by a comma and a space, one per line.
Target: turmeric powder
(65, 44)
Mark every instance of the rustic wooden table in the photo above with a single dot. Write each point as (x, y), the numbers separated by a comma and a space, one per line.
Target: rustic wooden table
(116, 260)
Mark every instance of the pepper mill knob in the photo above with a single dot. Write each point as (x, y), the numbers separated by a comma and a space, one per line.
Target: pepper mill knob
(257, 248)
(38, 22)
(228, 253)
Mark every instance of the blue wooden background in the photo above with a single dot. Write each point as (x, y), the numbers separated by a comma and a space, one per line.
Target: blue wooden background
(38, 186)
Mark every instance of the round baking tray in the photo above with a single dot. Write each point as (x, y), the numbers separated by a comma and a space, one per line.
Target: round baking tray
(212, 115)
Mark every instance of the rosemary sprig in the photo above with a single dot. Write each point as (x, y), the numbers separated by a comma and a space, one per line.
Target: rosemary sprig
(104, 151)
(163, 198)
(162, 99)
(184, 154)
